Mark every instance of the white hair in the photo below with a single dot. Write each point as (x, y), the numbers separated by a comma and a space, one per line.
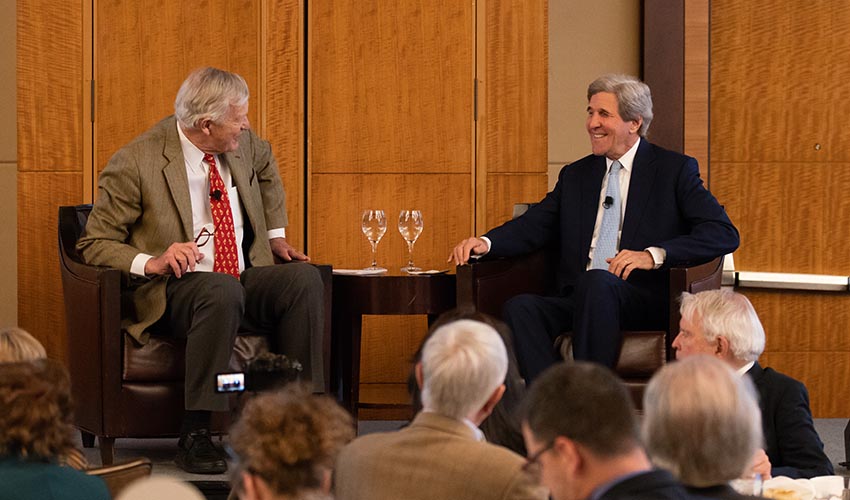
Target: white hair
(207, 94)
(463, 362)
(726, 313)
(701, 421)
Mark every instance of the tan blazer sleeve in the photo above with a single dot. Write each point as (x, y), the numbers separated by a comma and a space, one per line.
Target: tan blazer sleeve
(271, 187)
(114, 212)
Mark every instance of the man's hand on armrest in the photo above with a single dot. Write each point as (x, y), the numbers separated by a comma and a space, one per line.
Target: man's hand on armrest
(177, 260)
(470, 246)
(285, 251)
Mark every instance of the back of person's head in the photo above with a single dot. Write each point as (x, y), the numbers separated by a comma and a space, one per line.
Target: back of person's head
(726, 313)
(17, 344)
(586, 403)
(207, 94)
(634, 98)
(35, 410)
(290, 439)
(701, 421)
(458, 313)
(163, 487)
(463, 363)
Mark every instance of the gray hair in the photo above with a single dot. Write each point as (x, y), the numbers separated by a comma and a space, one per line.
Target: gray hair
(207, 94)
(634, 100)
(701, 421)
(726, 313)
(463, 362)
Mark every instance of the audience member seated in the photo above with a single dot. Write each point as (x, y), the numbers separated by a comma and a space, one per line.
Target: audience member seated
(17, 344)
(580, 430)
(702, 423)
(724, 324)
(442, 453)
(502, 425)
(35, 431)
(286, 443)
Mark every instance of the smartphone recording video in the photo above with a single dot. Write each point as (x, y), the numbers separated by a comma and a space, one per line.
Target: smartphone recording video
(230, 382)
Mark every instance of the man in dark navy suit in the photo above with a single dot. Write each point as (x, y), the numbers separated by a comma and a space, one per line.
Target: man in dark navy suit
(724, 324)
(580, 429)
(621, 218)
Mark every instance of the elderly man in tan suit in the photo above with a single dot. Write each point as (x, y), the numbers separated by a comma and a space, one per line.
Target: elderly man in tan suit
(193, 212)
(442, 454)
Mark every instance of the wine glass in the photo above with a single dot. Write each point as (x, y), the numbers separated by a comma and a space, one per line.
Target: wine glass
(410, 227)
(374, 225)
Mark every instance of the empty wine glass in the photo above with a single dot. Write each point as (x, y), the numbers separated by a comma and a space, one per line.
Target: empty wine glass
(410, 227)
(374, 225)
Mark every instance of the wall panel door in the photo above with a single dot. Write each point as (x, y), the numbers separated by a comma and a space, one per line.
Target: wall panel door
(391, 126)
(780, 163)
(51, 91)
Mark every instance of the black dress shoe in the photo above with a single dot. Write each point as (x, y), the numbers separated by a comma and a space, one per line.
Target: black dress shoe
(198, 455)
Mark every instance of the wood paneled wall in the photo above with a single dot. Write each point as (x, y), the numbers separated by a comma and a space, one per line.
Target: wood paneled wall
(512, 140)
(780, 162)
(388, 111)
(138, 56)
(51, 118)
(392, 125)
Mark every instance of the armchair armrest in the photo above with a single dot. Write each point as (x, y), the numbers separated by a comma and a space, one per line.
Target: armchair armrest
(693, 279)
(487, 284)
(92, 297)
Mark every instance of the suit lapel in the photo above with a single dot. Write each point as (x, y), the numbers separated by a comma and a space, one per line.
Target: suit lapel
(176, 178)
(591, 187)
(243, 178)
(640, 189)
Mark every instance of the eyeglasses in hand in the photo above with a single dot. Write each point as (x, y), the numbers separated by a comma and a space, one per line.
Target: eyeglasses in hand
(204, 236)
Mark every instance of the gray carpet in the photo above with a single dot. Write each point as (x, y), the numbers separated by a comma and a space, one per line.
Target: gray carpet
(161, 451)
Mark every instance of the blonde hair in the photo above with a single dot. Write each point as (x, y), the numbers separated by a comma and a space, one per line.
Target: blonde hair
(17, 345)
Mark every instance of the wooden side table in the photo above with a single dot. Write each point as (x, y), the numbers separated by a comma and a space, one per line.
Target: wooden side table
(354, 296)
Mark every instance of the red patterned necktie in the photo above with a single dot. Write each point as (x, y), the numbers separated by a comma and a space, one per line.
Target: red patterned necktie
(226, 255)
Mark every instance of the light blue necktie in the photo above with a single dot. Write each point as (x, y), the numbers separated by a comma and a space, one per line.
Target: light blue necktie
(606, 243)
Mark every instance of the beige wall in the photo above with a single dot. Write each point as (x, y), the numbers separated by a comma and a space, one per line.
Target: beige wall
(586, 39)
(8, 169)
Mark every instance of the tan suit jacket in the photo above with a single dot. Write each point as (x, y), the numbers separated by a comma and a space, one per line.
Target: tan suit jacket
(143, 206)
(436, 457)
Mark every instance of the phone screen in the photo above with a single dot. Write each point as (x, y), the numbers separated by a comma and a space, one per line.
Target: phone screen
(230, 382)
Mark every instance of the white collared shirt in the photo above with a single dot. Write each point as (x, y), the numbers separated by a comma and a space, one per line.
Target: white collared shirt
(197, 172)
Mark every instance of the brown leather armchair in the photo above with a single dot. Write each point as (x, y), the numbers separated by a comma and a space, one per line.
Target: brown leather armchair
(123, 389)
(487, 284)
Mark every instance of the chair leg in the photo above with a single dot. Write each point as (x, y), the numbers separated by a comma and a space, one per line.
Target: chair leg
(107, 450)
(88, 439)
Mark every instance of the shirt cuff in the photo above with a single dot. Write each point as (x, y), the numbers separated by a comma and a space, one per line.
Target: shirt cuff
(277, 233)
(489, 245)
(137, 268)
(658, 256)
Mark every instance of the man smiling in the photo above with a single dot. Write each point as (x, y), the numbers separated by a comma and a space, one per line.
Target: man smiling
(621, 217)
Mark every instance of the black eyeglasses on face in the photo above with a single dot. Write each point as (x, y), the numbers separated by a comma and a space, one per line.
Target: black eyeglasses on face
(204, 236)
(533, 461)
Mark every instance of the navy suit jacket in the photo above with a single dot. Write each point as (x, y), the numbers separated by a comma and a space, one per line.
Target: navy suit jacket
(650, 485)
(793, 445)
(667, 207)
